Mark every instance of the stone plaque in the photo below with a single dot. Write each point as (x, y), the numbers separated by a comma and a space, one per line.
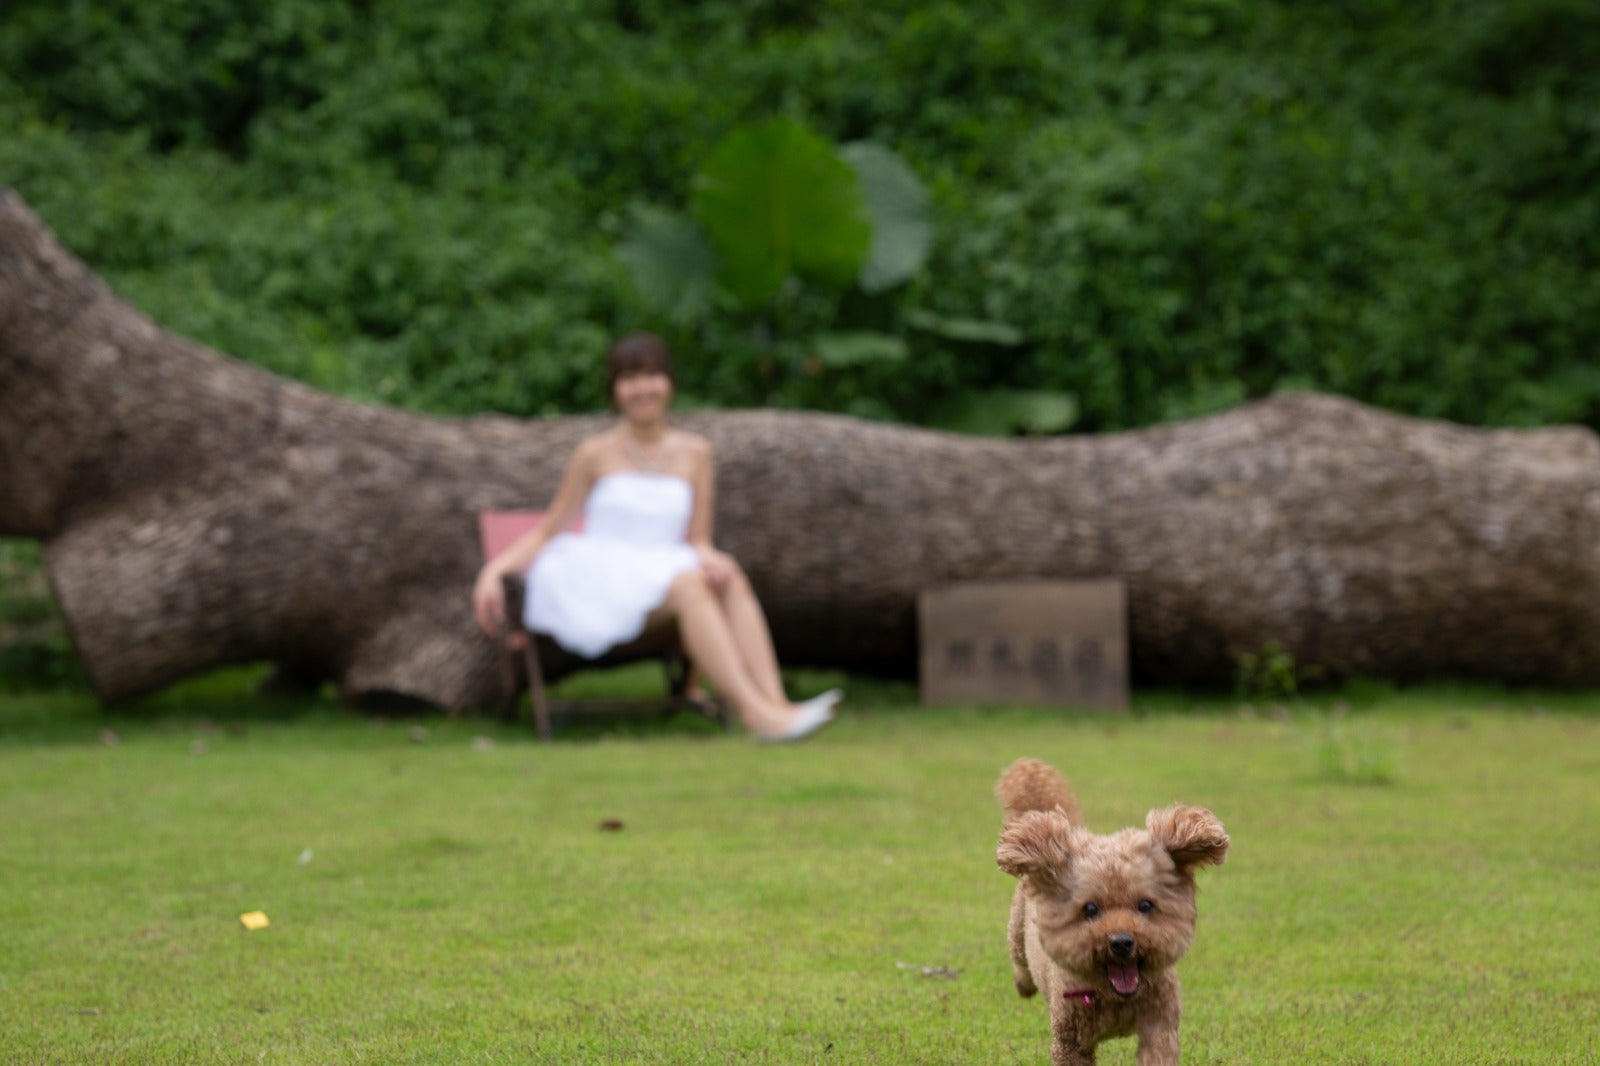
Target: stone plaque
(1025, 642)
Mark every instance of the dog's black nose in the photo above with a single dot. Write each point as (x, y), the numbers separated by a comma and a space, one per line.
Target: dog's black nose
(1122, 945)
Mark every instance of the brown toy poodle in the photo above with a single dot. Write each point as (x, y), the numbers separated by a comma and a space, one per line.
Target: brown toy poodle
(1099, 922)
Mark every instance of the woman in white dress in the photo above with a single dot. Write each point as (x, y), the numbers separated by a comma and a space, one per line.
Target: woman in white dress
(646, 494)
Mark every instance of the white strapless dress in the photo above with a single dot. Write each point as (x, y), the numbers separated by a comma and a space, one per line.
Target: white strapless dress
(593, 590)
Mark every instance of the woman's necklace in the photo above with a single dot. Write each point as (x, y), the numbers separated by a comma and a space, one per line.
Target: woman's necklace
(650, 464)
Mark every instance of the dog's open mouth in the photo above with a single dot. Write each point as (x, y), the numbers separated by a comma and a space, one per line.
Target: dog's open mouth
(1123, 975)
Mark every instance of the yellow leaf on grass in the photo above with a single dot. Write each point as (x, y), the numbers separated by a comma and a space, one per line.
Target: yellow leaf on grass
(254, 920)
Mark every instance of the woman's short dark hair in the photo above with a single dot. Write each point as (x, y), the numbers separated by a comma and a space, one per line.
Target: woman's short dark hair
(637, 353)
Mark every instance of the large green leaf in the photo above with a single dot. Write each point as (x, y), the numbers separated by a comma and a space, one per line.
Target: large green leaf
(858, 348)
(898, 206)
(777, 200)
(967, 330)
(673, 263)
(1009, 412)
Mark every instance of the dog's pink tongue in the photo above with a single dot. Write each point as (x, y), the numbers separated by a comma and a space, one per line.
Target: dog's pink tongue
(1124, 977)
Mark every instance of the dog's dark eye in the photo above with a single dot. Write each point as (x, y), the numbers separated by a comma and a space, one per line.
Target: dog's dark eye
(1091, 910)
(1145, 906)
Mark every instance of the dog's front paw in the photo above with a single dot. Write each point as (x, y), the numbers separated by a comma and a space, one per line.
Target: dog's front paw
(1024, 982)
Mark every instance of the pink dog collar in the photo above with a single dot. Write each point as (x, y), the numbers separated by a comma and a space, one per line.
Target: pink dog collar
(1085, 994)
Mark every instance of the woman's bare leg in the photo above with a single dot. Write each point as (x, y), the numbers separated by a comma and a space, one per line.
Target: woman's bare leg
(713, 646)
(754, 639)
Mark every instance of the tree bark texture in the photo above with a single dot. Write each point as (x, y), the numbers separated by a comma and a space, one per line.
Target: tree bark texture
(196, 511)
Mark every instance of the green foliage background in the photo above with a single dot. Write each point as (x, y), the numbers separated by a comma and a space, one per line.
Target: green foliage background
(1176, 205)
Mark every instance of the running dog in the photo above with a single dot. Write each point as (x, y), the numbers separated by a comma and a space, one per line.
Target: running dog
(1099, 922)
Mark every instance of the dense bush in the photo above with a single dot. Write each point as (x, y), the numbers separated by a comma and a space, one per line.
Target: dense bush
(35, 651)
(1160, 208)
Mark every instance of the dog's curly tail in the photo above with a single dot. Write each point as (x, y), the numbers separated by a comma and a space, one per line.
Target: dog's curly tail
(1031, 785)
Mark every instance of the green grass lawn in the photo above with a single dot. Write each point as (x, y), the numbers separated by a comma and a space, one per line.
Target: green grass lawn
(1413, 879)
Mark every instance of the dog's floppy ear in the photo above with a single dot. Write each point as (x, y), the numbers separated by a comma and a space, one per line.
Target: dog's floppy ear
(1192, 835)
(1034, 842)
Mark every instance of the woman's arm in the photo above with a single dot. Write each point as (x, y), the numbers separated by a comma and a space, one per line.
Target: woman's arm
(702, 479)
(488, 593)
(718, 566)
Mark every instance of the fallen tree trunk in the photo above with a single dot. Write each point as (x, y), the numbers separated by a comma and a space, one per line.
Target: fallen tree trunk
(196, 511)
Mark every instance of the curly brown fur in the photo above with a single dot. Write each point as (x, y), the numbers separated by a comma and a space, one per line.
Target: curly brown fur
(1099, 922)
(1030, 785)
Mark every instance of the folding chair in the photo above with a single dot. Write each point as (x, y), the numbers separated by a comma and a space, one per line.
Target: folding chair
(496, 531)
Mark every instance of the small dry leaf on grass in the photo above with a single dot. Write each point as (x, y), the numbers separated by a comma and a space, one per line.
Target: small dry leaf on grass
(611, 824)
(930, 971)
(254, 920)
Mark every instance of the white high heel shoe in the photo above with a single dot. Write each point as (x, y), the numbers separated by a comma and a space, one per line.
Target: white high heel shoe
(812, 715)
